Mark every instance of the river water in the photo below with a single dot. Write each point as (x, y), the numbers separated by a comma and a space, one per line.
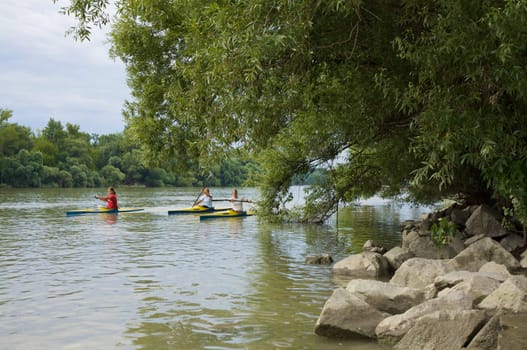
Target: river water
(147, 280)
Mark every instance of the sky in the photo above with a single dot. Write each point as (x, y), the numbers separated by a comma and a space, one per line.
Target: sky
(45, 74)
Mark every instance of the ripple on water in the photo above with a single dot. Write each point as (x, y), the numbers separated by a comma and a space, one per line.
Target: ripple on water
(149, 280)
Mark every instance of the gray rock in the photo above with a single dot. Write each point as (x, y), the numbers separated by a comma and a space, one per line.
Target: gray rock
(481, 252)
(397, 255)
(477, 287)
(419, 272)
(485, 221)
(419, 242)
(455, 277)
(473, 239)
(372, 246)
(393, 328)
(513, 330)
(347, 316)
(523, 261)
(422, 246)
(409, 224)
(459, 215)
(487, 337)
(493, 268)
(408, 237)
(363, 265)
(385, 296)
(442, 330)
(512, 242)
(321, 259)
(511, 295)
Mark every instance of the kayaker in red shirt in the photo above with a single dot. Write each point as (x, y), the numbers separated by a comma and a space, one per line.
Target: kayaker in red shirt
(110, 199)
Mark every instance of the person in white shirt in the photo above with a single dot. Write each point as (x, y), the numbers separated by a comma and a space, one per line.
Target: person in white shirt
(236, 202)
(205, 200)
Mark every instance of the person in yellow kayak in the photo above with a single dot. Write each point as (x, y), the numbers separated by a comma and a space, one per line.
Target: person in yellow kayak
(110, 199)
(205, 200)
(236, 202)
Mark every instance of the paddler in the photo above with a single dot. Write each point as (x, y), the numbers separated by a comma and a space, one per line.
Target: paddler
(236, 202)
(110, 199)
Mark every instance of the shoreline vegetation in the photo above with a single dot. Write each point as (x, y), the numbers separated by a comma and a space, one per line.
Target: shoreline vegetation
(467, 291)
(64, 157)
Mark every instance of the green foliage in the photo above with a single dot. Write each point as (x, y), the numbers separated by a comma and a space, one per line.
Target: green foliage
(5, 114)
(66, 180)
(111, 175)
(67, 157)
(54, 132)
(13, 138)
(426, 98)
(89, 13)
(443, 232)
(317, 177)
(155, 177)
(51, 177)
(48, 149)
(27, 169)
(79, 176)
(281, 79)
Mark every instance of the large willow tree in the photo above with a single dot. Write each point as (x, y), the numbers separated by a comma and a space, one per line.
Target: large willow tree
(427, 98)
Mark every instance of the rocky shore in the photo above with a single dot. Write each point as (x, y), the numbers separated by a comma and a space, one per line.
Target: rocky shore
(468, 292)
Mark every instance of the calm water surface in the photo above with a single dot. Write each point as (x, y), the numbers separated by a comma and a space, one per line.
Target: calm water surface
(147, 280)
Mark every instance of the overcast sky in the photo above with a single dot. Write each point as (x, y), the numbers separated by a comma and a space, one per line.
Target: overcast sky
(44, 74)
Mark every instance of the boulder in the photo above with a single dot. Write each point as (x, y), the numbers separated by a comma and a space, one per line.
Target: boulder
(523, 261)
(473, 239)
(321, 259)
(345, 315)
(419, 242)
(422, 246)
(409, 224)
(511, 295)
(393, 328)
(408, 236)
(453, 278)
(481, 252)
(397, 255)
(363, 265)
(512, 242)
(487, 337)
(477, 287)
(427, 220)
(493, 268)
(385, 296)
(419, 272)
(485, 221)
(504, 331)
(372, 246)
(460, 215)
(513, 330)
(442, 330)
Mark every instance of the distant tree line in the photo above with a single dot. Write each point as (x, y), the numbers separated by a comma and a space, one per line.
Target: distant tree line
(64, 156)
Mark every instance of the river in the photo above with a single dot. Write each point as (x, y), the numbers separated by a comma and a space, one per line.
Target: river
(147, 280)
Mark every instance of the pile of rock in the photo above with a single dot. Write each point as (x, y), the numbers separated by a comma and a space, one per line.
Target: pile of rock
(466, 294)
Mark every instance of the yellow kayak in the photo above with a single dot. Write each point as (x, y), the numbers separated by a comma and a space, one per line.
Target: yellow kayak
(198, 209)
(227, 214)
(102, 210)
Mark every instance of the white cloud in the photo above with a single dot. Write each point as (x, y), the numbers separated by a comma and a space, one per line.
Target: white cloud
(44, 74)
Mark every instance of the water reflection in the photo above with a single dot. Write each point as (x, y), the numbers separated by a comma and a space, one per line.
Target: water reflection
(235, 225)
(110, 218)
(375, 219)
